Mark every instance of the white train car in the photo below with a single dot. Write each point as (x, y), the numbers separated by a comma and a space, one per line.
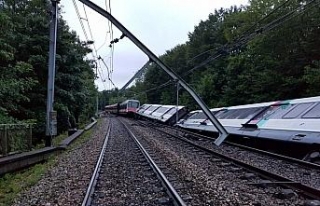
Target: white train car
(198, 120)
(171, 116)
(292, 125)
(147, 113)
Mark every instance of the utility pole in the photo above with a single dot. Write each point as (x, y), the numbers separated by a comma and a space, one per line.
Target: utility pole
(178, 88)
(51, 116)
(97, 108)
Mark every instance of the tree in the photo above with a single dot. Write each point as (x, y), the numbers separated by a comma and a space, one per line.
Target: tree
(24, 47)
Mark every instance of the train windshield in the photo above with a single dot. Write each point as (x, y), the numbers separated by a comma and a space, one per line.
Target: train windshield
(133, 104)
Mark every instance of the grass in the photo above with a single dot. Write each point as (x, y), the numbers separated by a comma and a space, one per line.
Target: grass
(84, 137)
(56, 141)
(14, 183)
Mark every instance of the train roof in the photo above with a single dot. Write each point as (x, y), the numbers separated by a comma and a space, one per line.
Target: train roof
(265, 104)
(304, 100)
(111, 105)
(131, 100)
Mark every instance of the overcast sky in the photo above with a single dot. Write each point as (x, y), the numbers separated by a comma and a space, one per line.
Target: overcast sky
(159, 24)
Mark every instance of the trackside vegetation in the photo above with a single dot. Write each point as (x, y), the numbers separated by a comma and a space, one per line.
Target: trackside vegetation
(24, 49)
(277, 64)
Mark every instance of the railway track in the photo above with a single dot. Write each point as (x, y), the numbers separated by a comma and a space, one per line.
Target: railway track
(296, 183)
(127, 179)
(207, 140)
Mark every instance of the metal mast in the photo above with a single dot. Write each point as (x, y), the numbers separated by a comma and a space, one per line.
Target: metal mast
(51, 117)
(136, 75)
(223, 132)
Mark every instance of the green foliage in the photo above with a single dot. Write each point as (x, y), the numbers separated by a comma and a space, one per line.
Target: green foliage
(12, 184)
(312, 78)
(279, 64)
(24, 46)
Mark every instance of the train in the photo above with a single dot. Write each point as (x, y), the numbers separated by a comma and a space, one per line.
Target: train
(168, 114)
(291, 126)
(125, 108)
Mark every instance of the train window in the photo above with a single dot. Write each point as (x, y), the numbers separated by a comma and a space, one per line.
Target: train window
(193, 116)
(152, 108)
(234, 114)
(249, 112)
(297, 110)
(223, 114)
(265, 114)
(197, 115)
(202, 115)
(313, 113)
(282, 109)
(161, 109)
(218, 113)
(231, 114)
(133, 104)
(172, 111)
(145, 107)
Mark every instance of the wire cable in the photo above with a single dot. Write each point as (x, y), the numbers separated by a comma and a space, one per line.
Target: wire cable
(243, 41)
(94, 47)
(262, 30)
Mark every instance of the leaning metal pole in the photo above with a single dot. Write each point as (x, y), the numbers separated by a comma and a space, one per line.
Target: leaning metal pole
(136, 75)
(223, 133)
(50, 116)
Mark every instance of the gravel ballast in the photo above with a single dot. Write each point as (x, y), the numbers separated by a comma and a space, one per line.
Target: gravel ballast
(66, 182)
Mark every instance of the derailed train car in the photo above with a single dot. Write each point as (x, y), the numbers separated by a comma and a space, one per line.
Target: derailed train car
(292, 125)
(168, 114)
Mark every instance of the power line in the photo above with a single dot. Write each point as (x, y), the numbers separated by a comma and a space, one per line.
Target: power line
(222, 51)
(265, 17)
(109, 77)
(79, 17)
(95, 49)
(94, 46)
(244, 35)
(108, 7)
(245, 39)
(87, 38)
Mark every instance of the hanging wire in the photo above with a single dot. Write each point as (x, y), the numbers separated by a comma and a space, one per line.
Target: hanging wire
(108, 8)
(222, 51)
(94, 46)
(229, 48)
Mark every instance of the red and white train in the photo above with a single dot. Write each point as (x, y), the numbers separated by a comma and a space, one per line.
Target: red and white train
(128, 107)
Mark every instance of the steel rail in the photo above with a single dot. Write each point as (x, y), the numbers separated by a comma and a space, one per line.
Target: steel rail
(283, 157)
(88, 197)
(307, 190)
(177, 200)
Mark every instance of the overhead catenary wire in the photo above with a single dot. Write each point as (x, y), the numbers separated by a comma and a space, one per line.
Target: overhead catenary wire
(245, 32)
(109, 77)
(94, 46)
(168, 83)
(95, 54)
(222, 51)
(108, 8)
(265, 17)
(245, 37)
(86, 35)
